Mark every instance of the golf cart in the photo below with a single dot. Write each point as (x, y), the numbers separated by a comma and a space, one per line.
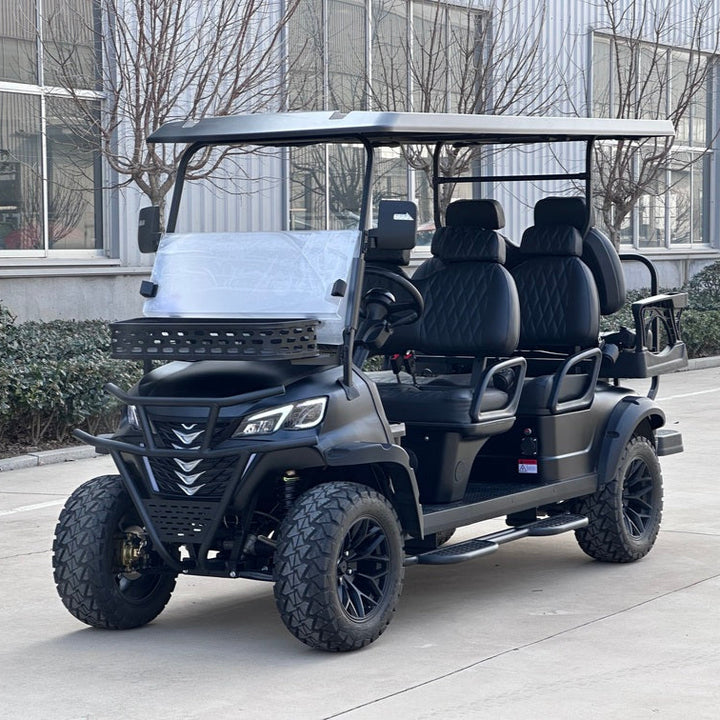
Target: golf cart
(255, 446)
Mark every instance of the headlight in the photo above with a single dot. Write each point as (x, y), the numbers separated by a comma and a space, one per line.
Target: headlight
(298, 416)
(132, 417)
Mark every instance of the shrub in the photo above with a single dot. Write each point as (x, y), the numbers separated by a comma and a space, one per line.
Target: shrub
(704, 288)
(701, 332)
(52, 376)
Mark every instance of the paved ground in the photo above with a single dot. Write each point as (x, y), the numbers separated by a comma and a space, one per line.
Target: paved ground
(537, 630)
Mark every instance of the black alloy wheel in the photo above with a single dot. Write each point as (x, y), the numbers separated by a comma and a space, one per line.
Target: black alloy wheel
(338, 566)
(625, 513)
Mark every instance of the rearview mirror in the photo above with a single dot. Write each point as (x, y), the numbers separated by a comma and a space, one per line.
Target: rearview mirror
(397, 224)
(149, 229)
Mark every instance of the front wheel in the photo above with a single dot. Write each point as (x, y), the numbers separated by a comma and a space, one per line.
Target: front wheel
(625, 513)
(339, 566)
(106, 573)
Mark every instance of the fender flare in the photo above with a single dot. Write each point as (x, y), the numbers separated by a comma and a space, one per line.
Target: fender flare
(624, 419)
(402, 491)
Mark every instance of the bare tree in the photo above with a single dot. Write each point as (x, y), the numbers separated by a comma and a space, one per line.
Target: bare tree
(162, 60)
(648, 79)
(473, 59)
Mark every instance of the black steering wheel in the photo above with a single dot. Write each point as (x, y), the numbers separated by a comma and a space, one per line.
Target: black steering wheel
(403, 311)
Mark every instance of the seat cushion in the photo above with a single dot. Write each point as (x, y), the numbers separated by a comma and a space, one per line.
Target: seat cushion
(434, 402)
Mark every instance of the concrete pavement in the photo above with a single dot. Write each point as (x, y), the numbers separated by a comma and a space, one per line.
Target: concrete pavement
(537, 630)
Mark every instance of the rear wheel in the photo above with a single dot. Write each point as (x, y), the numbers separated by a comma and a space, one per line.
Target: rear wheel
(339, 566)
(104, 568)
(625, 513)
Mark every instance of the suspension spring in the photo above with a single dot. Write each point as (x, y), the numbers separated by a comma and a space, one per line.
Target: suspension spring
(290, 487)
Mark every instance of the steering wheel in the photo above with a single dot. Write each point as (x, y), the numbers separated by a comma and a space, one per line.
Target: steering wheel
(399, 312)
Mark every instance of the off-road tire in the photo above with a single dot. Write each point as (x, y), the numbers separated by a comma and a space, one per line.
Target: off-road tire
(85, 566)
(334, 536)
(625, 513)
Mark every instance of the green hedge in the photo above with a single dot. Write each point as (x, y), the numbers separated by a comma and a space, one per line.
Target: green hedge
(51, 379)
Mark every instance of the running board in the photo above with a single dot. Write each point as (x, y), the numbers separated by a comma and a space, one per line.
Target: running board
(487, 544)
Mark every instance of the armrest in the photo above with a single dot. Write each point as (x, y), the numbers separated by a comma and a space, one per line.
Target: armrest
(518, 365)
(594, 356)
(651, 312)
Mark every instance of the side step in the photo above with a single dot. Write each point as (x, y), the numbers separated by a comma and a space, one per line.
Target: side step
(487, 544)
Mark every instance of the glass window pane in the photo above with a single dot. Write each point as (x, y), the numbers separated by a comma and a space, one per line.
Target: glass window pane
(390, 55)
(652, 82)
(70, 30)
(699, 114)
(464, 54)
(623, 89)
(429, 70)
(390, 176)
(423, 200)
(601, 76)
(678, 92)
(18, 49)
(73, 154)
(699, 169)
(346, 170)
(306, 53)
(680, 199)
(21, 210)
(651, 214)
(346, 55)
(307, 188)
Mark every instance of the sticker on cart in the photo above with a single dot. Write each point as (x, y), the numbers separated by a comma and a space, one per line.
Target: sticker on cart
(527, 467)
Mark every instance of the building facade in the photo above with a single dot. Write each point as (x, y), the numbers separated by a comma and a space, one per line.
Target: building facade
(67, 233)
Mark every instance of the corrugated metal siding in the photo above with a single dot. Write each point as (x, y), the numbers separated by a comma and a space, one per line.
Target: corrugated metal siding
(566, 39)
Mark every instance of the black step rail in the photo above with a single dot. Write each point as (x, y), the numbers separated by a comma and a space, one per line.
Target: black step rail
(487, 544)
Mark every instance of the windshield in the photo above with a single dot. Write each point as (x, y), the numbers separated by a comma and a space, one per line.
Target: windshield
(258, 275)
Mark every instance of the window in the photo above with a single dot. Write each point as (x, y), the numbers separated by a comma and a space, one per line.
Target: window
(363, 55)
(50, 168)
(648, 80)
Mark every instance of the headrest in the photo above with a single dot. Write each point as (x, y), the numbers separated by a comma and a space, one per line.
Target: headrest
(387, 257)
(563, 211)
(552, 240)
(600, 255)
(463, 244)
(475, 213)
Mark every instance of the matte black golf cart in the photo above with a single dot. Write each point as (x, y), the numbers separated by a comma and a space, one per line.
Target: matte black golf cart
(259, 449)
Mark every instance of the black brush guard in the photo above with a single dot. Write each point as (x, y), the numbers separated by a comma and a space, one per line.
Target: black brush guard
(169, 518)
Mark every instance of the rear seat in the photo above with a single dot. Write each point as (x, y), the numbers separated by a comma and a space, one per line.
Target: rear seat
(560, 310)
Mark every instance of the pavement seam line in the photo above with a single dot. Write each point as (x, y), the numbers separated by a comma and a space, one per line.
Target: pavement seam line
(29, 508)
(457, 671)
(708, 533)
(27, 554)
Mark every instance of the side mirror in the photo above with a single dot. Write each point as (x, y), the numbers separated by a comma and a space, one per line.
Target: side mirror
(149, 229)
(397, 225)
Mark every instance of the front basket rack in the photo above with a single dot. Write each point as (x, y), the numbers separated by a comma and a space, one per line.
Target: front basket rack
(213, 339)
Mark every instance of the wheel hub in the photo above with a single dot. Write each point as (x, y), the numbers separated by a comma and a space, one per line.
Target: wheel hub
(362, 569)
(132, 551)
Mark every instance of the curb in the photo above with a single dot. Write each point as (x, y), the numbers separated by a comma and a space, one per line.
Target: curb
(702, 363)
(83, 452)
(47, 457)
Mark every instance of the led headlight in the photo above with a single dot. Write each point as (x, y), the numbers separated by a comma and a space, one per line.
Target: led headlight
(298, 416)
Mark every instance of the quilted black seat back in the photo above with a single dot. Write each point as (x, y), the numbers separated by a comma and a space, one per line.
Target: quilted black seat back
(471, 304)
(559, 302)
(599, 254)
